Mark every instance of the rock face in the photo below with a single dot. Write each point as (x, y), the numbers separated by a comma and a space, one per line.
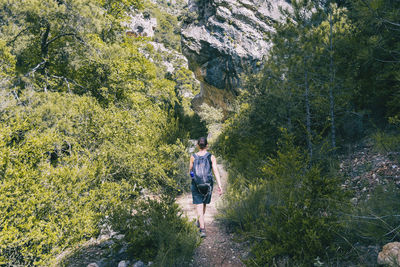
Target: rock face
(141, 25)
(223, 38)
(390, 254)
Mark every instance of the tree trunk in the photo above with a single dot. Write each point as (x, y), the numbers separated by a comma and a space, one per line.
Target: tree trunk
(44, 47)
(331, 84)
(288, 110)
(308, 112)
(45, 50)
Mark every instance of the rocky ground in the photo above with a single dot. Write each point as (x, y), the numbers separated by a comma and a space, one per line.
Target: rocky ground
(99, 252)
(365, 169)
(218, 248)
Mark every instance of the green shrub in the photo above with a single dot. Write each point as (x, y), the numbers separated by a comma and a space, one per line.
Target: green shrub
(66, 162)
(375, 220)
(213, 118)
(250, 136)
(168, 28)
(371, 222)
(85, 124)
(387, 142)
(288, 214)
(158, 232)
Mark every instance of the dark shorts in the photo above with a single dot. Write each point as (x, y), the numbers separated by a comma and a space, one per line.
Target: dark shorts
(198, 198)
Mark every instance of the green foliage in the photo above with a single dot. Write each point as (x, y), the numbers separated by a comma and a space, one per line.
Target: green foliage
(117, 8)
(251, 135)
(7, 61)
(62, 47)
(213, 119)
(66, 162)
(375, 219)
(85, 125)
(332, 72)
(289, 208)
(53, 190)
(374, 51)
(210, 114)
(167, 31)
(7, 71)
(168, 26)
(186, 88)
(387, 142)
(158, 231)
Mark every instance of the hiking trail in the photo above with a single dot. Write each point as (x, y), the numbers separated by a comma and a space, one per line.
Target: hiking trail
(217, 249)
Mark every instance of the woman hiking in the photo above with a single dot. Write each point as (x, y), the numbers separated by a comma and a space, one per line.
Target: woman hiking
(202, 164)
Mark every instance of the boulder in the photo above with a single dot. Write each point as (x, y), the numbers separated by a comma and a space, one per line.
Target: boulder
(390, 254)
(139, 264)
(123, 264)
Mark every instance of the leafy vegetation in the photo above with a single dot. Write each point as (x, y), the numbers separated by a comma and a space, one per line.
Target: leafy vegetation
(155, 233)
(85, 126)
(88, 125)
(330, 80)
(290, 212)
(168, 26)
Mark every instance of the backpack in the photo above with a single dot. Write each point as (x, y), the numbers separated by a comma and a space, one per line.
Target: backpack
(202, 169)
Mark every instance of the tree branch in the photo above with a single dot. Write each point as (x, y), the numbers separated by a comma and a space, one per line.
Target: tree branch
(35, 68)
(387, 61)
(67, 81)
(59, 36)
(391, 23)
(15, 95)
(44, 47)
(16, 37)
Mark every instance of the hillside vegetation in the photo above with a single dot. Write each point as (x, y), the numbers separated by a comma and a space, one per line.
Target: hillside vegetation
(94, 130)
(88, 126)
(330, 83)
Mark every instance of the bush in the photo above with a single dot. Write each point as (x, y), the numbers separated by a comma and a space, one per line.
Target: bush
(66, 162)
(213, 119)
(158, 232)
(288, 214)
(251, 135)
(387, 142)
(376, 219)
(85, 124)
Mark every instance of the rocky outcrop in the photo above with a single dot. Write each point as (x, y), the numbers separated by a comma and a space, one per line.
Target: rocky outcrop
(222, 39)
(141, 25)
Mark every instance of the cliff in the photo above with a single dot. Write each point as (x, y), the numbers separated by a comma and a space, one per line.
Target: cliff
(224, 38)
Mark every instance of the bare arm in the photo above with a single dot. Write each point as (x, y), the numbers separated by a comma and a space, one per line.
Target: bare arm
(191, 163)
(216, 173)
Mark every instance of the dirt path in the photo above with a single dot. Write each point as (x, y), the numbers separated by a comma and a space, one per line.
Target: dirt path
(217, 249)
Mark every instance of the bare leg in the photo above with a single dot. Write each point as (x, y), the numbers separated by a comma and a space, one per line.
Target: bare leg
(204, 209)
(200, 208)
